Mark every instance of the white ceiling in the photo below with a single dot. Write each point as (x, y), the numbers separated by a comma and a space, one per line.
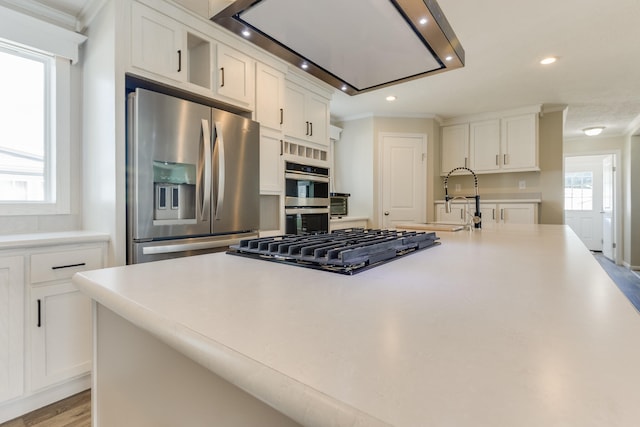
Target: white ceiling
(597, 74)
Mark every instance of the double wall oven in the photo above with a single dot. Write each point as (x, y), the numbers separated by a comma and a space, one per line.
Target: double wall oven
(306, 199)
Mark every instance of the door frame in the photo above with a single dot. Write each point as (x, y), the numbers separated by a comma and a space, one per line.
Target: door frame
(379, 179)
(617, 197)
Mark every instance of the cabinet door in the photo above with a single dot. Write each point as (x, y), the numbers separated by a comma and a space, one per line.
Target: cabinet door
(157, 43)
(269, 97)
(518, 213)
(235, 75)
(317, 114)
(456, 216)
(489, 214)
(520, 142)
(454, 147)
(294, 123)
(271, 173)
(60, 334)
(484, 145)
(11, 327)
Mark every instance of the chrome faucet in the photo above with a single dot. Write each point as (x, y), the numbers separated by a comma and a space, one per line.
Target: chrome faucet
(477, 216)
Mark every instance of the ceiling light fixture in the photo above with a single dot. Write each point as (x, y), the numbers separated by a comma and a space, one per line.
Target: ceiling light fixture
(549, 60)
(391, 98)
(304, 65)
(593, 131)
(246, 33)
(390, 46)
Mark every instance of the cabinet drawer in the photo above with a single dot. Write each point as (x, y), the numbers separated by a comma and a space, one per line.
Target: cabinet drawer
(62, 265)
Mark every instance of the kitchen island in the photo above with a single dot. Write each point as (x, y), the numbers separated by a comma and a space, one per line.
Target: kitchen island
(514, 326)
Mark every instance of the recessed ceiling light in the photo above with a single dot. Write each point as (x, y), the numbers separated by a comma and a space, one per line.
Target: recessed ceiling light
(549, 60)
(344, 87)
(449, 58)
(423, 21)
(593, 131)
(246, 33)
(305, 66)
(391, 98)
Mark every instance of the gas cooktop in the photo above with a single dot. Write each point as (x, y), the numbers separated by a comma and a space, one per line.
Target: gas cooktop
(342, 251)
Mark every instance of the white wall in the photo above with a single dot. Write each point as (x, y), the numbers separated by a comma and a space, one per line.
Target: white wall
(354, 166)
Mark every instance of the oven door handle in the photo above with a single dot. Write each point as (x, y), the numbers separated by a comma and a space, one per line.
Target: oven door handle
(293, 211)
(304, 177)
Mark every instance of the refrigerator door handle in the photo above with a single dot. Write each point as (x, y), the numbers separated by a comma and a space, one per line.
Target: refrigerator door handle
(219, 145)
(206, 176)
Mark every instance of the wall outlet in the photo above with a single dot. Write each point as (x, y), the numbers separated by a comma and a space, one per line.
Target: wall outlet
(522, 184)
(458, 188)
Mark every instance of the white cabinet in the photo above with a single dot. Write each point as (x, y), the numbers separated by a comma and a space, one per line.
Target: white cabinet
(60, 321)
(271, 167)
(60, 334)
(11, 327)
(455, 216)
(235, 75)
(484, 145)
(344, 223)
(166, 47)
(492, 213)
(495, 145)
(520, 142)
(269, 97)
(454, 148)
(508, 213)
(157, 43)
(306, 115)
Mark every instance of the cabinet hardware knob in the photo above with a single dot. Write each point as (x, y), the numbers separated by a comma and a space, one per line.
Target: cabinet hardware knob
(386, 213)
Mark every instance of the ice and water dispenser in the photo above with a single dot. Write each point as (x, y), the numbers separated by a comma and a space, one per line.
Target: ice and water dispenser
(174, 191)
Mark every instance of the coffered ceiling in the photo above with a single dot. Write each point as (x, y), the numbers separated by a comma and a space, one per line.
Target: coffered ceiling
(596, 74)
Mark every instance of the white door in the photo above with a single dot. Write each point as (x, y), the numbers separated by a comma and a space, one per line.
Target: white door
(608, 180)
(583, 198)
(403, 178)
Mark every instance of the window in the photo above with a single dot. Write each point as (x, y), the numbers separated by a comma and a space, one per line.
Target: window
(578, 191)
(34, 132)
(25, 118)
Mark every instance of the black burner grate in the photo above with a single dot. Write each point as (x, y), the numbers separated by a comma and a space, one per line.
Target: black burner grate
(343, 251)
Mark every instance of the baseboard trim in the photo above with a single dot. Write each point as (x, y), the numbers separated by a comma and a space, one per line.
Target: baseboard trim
(30, 402)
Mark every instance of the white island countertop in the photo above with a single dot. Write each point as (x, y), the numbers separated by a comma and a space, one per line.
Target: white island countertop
(517, 326)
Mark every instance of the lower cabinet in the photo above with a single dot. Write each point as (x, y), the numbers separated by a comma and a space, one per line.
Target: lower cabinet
(344, 223)
(45, 322)
(11, 327)
(60, 334)
(492, 213)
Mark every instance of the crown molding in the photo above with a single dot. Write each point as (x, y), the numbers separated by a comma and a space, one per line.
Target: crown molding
(43, 12)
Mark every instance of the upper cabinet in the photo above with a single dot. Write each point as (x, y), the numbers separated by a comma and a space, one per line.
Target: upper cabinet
(269, 97)
(189, 59)
(235, 75)
(306, 114)
(454, 147)
(158, 43)
(519, 147)
(505, 144)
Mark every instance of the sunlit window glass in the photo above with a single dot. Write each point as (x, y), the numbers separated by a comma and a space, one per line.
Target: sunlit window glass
(24, 77)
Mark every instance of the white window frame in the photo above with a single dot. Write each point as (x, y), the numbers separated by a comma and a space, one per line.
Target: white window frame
(56, 146)
(23, 30)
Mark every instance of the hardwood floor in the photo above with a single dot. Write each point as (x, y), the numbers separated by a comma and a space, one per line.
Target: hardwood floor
(74, 411)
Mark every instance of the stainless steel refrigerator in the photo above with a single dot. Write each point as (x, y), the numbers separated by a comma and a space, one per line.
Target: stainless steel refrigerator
(192, 177)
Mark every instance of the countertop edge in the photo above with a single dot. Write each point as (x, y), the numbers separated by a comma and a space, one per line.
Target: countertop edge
(268, 385)
(17, 241)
